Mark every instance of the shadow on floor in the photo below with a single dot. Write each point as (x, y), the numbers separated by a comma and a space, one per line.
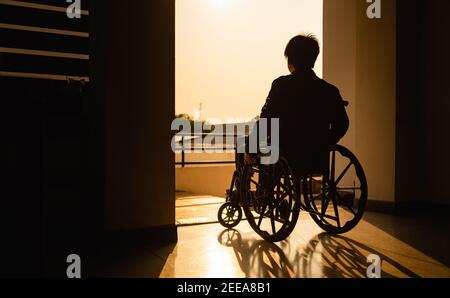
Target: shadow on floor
(422, 232)
(327, 255)
(134, 255)
(145, 261)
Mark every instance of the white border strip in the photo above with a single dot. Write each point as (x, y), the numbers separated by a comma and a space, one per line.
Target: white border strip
(43, 30)
(41, 76)
(43, 53)
(39, 6)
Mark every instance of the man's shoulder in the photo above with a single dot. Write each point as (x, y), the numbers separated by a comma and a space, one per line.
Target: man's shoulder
(281, 80)
(288, 80)
(328, 86)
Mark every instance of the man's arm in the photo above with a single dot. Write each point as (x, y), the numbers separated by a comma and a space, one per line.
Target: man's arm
(339, 118)
(271, 107)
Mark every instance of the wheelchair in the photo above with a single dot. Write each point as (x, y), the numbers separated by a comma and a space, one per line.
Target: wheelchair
(272, 197)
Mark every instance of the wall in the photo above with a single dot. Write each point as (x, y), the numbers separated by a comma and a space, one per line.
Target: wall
(423, 99)
(204, 180)
(133, 74)
(408, 169)
(45, 122)
(360, 58)
(80, 162)
(376, 98)
(434, 104)
(339, 52)
(395, 72)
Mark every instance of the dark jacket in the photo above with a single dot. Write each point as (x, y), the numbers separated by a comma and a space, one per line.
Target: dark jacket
(312, 116)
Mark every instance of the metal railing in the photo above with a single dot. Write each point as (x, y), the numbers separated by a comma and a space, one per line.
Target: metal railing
(193, 137)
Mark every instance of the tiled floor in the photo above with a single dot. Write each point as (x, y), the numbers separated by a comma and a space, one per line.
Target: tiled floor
(211, 251)
(408, 246)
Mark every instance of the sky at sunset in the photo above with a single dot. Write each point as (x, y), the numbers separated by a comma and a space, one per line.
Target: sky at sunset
(228, 52)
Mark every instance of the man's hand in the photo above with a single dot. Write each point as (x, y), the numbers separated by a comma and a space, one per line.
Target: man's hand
(250, 159)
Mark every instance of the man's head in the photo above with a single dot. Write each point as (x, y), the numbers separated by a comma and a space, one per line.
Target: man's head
(302, 52)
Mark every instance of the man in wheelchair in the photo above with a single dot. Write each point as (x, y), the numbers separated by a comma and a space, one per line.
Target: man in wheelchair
(312, 119)
(311, 111)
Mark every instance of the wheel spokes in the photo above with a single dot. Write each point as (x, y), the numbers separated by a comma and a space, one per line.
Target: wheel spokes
(255, 183)
(348, 188)
(268, 200)
(262, 215)
(336, 211)
(343, 173)
(272, 219)
(325, 203)
(347, 200)
(350, 208)
(333, 165)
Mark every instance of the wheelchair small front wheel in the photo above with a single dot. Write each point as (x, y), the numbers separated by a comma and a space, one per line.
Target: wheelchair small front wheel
(229, 215)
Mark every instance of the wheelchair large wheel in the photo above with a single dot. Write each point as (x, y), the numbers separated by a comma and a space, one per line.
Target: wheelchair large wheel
(270, 199)
(336, 200)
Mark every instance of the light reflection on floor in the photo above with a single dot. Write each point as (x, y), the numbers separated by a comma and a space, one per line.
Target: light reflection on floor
(212, 251)
(192, 208)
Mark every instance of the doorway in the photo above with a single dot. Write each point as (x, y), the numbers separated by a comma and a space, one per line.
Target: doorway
(227, 54)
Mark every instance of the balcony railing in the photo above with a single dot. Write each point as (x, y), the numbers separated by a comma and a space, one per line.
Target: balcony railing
(181, 148)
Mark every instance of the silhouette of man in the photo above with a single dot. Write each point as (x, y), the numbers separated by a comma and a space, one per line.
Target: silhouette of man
(311, 111)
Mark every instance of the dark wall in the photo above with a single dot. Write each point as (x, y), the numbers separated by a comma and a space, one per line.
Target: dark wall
(423, 102)
(408, 100)
(435, 101)
(49, 119)
(133, 77)
(85, 157)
